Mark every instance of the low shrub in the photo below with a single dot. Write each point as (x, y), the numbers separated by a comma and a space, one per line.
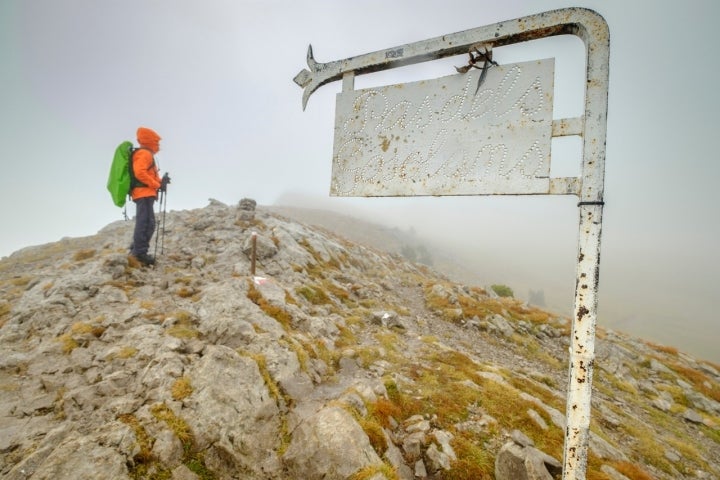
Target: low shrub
(502, 290)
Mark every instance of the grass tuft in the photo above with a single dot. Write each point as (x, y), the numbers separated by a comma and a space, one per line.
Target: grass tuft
(178, 426)
(181, 388)
(126, 352)
(371, 471)
(503, 290)
(282, 316)
(632, 471)
(68, 343)
(314, 294)
(81, 255)
(143, 439)
(184, 326)
(473, 461)
(663, 348)
(275, 390)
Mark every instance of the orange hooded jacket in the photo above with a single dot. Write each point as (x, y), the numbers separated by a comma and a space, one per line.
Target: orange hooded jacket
(144, 166)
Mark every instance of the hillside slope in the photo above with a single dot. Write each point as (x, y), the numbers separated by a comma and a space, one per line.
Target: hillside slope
(335, 360)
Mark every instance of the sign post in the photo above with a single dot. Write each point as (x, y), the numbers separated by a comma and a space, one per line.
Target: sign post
(484, 132)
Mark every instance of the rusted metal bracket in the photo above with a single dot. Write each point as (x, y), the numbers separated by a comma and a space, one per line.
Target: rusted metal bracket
(479, 53)
(592, 29)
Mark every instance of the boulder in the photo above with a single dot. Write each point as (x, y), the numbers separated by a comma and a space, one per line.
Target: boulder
(518, 462)
(231, 413)
(329, 445)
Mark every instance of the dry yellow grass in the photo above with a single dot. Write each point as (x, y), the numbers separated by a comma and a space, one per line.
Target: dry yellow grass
(143, 439)
(126, 352)
(314, 294)
(663, 348)
(371, 471)
(178, 426)
(270, 383)
(474, 462)
(278, 313)
(632, 471)
(68, 343)
(181, 388)
(81, 255)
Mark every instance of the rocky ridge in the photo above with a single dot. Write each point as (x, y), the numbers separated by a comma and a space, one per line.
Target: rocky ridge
(334, 360)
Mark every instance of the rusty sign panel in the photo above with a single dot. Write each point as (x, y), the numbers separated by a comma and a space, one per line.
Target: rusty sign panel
(447, 136)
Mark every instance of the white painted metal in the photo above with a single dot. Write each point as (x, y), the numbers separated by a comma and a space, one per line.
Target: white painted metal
(593, 30)
(442, 137)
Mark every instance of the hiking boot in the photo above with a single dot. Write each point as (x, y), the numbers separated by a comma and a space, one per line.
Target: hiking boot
(145, 259)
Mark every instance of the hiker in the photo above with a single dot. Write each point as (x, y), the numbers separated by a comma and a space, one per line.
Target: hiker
(144, 192)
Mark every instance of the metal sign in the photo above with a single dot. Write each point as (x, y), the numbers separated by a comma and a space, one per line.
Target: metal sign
(410, 151)
(446, 136)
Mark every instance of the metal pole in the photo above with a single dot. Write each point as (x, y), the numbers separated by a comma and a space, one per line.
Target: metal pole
(254, 253)
(596, 36)
(582, 343)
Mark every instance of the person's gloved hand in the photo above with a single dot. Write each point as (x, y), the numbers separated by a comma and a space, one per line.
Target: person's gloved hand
(164, 182)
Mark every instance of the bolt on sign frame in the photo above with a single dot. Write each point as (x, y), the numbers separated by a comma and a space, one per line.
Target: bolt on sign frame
(486, 132)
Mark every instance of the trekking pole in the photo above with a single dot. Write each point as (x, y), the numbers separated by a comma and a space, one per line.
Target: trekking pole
(164, 209)
(157, 224)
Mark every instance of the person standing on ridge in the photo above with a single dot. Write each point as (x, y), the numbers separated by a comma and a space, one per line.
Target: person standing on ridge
(145, 183)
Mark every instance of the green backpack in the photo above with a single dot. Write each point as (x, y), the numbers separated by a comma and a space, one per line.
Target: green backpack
(122, 178)
(118, 183)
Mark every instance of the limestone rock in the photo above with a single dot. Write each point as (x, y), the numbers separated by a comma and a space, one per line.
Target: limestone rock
(246, 209)
(502, 325)
(231, 413)
(516, 462)
(692, 416)
(328, 445)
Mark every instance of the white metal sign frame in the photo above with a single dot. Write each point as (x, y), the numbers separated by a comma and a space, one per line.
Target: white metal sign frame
(592, 29)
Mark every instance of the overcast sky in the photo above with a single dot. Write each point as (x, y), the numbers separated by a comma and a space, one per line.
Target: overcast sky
(214, 78)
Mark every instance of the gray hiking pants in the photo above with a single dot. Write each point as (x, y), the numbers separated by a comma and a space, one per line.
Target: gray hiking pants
(144, 225)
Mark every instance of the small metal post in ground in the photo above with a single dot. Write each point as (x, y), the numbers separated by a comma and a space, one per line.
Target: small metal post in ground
(254, 253)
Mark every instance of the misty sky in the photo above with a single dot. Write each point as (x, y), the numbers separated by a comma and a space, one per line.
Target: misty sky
(214, 78)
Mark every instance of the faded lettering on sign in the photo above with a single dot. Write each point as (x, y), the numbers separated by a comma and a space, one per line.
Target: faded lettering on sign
(441, 137)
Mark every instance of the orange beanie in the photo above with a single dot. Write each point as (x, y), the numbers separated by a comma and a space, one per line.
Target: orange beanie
(148, 138)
